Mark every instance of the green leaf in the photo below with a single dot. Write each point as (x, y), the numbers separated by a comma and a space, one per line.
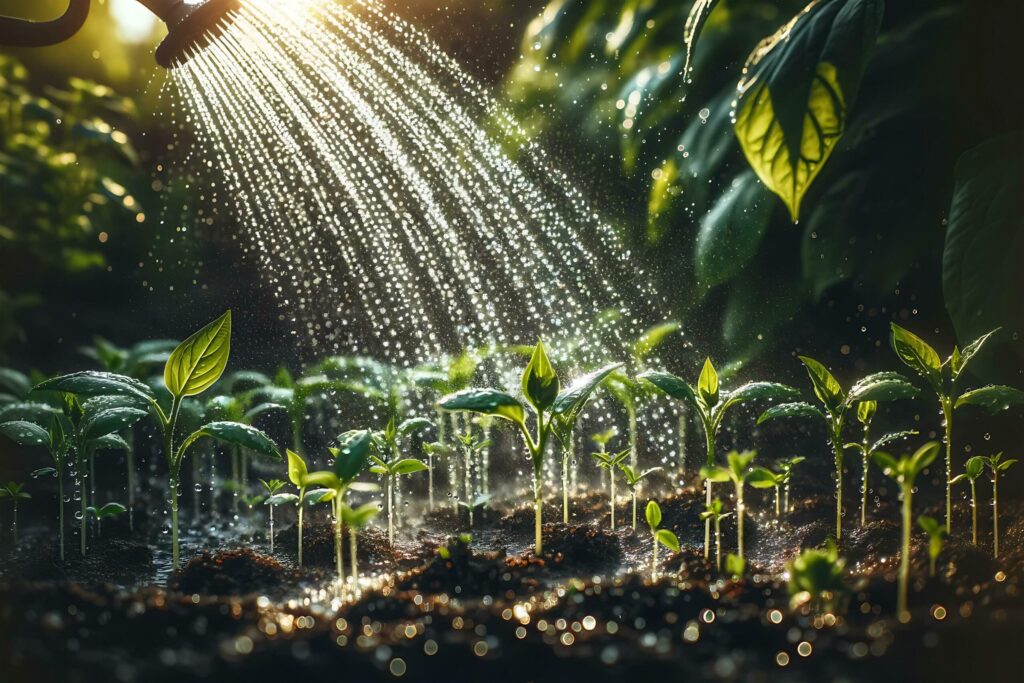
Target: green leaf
(866, 411)
(199, 361)
(735, 565)
(107, 510)
(670, 384)
(25, 433)
(360, 516)
(731, 233)
(91, 383)
(540, 383)
(30, 411)
(14, 382)
(281, 499)
(739, 462)
(788, 410)
(109, 442)
(882, 386)
(981, 274)
(716, 474)
(992, 398)
(918, 355)
(409, 466)
(888, 464)
(707, 384)
(974, 467)
(262, 408)
(109, 421)
(654, 337)
(753, 391)
(667, 539)
(326, 479)
(485, 401)
(796, 91)
(352, 454)
(762, 478)
(922, 458)
(238, 434)
(653, 514)
(297, 471)
(574, 398)
(971, 350)
(826, 388)
(891, 437)
(414, 424)
(931, 526)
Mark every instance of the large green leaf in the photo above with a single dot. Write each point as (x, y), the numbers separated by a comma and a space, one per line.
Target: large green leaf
(797, 88)
(239, 434)
(707, 384)
(826, 388)
(351, 454)
(296, 468)
(109, 442)
(30, 411)
(413, 425)
(992, 398)
(91, 383)
(14, 382)
(486, 401)
(982, 276)
(109, 421)
(199, 361)
(771, 391)
(409, 466)
(25, 433)
(653, 337)
(731, 232)
(540, 383)
(918, 355)
(670, 384)
(882, 386)
(573, 399)
(788, 410)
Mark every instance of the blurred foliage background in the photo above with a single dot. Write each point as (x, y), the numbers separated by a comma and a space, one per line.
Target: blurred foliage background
(95, 236)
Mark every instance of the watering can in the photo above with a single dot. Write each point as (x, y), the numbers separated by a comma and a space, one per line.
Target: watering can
(190, 26)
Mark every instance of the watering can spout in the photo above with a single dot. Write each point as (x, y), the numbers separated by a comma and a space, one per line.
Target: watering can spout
(16, 32)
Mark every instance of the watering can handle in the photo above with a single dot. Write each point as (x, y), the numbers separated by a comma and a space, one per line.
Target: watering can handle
(16, 32)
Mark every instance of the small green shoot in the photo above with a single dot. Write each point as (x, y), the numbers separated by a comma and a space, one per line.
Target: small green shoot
(764, 478)
(817, 578)
(936, 537)
(973, 469)
(273, 500)
(735, 566)
(713, 512)
(737, 471)
(867, 449)
(786, 467)
(611, 462)
(356, 519)
(633, 479)
(472, 450)
(13, 491)
(662, 536)
(387, 465)
(996, 465)
(106, 511)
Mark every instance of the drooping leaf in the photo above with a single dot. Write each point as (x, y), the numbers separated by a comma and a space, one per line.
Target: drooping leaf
(797, 89)
(762, 478)
(891, 437)
(199, 361)
(670, 384)
(486, 401)
(109, 421)
(787, 410)
(29, 411)
(109, 442)
(238, 434)
(992, 398)
(281, 499)
(352, 453)
(882, 386)
(770, 391)
(25, 433)
(540, 383)
(91, 383)
(414, 424)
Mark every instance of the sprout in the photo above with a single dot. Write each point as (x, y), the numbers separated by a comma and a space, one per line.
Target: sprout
(735, 565)
(273, 500)
(882, 386)
(786, 467)
(662, 536)
(973, 469)
(13, 491)
(764, 478)
(817, 577)
(477, 502)
(357, 519)
(387, 465)
(936, 536)
(633, 479)
(737, 471)
(106, 511)
(611, 462)
(944, 379)
(711, 404)
(904, 471)
(713, 512)
(996, 464)
(472, 449)
(865, 413)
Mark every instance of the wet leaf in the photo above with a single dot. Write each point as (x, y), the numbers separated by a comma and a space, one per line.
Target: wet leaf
(199, 361)
(540, 383)
(992, 398)
(882, 386)
(826, 388)
(670, 384)
(25, 433)
(109, 421)
(573, 399)
(918, 355)
(731, 232)
(352, 454)
(788, 410)
(91, 383)
(486, 401)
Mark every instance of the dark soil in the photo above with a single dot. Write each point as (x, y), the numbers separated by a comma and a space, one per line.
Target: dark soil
(231, 572)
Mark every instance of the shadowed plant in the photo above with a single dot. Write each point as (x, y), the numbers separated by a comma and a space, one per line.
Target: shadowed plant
(713, 513)
(973, 469)
(658, 536)
(738, 471)
(13, 491)
(996, 465)
(817, 578)
(936, 537)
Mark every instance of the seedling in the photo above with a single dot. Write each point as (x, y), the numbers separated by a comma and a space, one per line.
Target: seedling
(945, 380)
(106, 511)
(471, 449)
(13, 491)
(866, 448)
(611, 462)
(298, 475)
(711, 404)
(764, 478)
(786, 467)
(357, 519)
(475, 503)
(713, 512)
(904, 471)
(662, 536)
(435, 449)
(882, 386)
(633, 479)
(735, 565)
(386, 464)
(974, 468)
(996, 464)
(540, 388)
(936, 536)
(817, 577)
(738, 471)
(273, 500)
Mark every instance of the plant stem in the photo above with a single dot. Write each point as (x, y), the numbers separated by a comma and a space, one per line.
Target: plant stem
(709, 434)
(974, 514)
(904, 575)
(537, 507)
(485, 470)
(681, 436)
(302, 495)
(837, 451)
(172, 467)
(469, 484)
(430, 481)
(865, 464)
(947, 416)
(633, 455)
(634, 509)
(337, 544)
(718, 544)
(391, 522)
(654, 561)
(352, 555)
(611, 499)
(271, 529)
(776, 502)
(995, 514)
(565, 486)
(173, 486)
(785, 497)
(740, 509)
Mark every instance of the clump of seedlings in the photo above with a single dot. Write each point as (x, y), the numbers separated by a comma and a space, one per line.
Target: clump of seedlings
(610, 462)
(786, 467)
(13, 491)
(996, 465)
(387, 464)
(273, 500)
(882, 386)
(711, 404)
(817, 578)
(905, 471)
(26, 433)
(764, 478)
(738, 471)
(945, 380)
(713, 513)
(865, 414)
(658, 536)
(633, 481)
(936, 537)
(472, 450)
(973, 469)
(106, 511)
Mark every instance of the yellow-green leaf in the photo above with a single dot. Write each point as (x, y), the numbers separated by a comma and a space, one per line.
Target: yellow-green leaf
(199, 361)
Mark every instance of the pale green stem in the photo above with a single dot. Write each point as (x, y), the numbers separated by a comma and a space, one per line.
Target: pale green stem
(271, 529)
(83, 524)
(634, 509)
(865, 467)
(611, 499)
(837, 450)
(537, 508)
(172, 466)
(352, 546)
(718, 544)
(709, 434)
(633, 453)
(947, 415)
(337, 544)
(565, 486)
(974, 514)
(302, 495)
(776, 501)
(391, 525)
(654, 561)
(740, 510)
(430, 481)
(904, 575)
(995, 514)
(681, 435)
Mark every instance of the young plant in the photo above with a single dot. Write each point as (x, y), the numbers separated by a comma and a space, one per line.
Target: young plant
(713, 513)
(738, 471)
(298, 475)
(882, 386)
(764, 478)
(662, 536)
(477, 502)
(106, 511)
(936, 536)
(711, 403)
(356, 519)
(386, 464)
(867, 449)
(996, 464)
(817, 577)
(434, 450)
(471, 449)
(273, 500)
(633, 479)
(904, 471)
(974, 468)
(540, 387)
(13, 491)
(611, 462)
(946, 379)
(566, 412)
(786, 467)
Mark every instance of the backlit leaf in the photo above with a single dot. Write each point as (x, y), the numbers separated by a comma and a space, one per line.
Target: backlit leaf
(199, 361)
(918, 355)
(540, 383)
(486, 401)
(992, 398)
